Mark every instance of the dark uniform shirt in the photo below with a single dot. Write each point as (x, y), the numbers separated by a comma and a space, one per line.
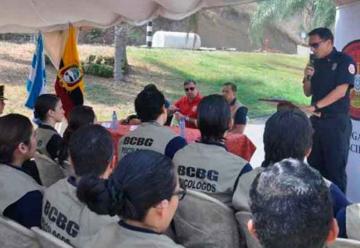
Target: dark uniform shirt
(335, 69)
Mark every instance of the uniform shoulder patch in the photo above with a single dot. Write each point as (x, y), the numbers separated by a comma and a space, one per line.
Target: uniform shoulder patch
(351, 68)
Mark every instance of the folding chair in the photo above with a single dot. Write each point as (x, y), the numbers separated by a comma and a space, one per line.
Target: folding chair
(50, 172)
(242, 218)
(14, 235)
(47, 240)
(202, 221)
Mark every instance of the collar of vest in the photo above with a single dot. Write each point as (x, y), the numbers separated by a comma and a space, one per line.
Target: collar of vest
(72, 181)
(136, 228)
(45, 126)
(153, 123)
(15, 167)
(214, 143)
(232, 103)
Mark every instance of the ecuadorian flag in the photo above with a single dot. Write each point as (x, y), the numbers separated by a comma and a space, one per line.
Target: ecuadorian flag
(69, 85)
(35, 84)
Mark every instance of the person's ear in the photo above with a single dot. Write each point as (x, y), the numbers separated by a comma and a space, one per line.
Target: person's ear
(333, 232)
(22, 148)
(161, 207)
(251, 228)
(308, 151)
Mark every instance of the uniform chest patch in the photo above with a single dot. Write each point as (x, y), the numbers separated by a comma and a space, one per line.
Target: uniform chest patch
(352, 69)
(334, 66)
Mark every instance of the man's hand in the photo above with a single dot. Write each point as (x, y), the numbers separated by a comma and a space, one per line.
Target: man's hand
(308, 72)
(310, 110)
(178, 115)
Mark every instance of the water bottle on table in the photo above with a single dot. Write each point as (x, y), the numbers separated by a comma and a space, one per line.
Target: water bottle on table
(182, 127)
(114, 121)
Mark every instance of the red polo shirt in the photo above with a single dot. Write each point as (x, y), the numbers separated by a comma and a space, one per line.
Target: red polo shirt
(188, 108)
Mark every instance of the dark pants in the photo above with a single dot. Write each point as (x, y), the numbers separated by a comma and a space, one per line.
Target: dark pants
(330, 148)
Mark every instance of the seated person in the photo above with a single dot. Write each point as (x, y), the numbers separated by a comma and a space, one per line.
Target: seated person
(91, 152)
(291, 207)
(207, 166)
(131, 120)
(349, 221)
(151, 134)
(79, 116)
(186, 106)
(238, 111)
(20, 195)
(144, 191)
(48, 111)
(281, 142)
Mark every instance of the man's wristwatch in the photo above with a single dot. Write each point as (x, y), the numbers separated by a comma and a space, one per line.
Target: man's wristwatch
(317, 109)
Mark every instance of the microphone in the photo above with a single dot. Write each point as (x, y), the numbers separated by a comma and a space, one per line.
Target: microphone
(311, 63)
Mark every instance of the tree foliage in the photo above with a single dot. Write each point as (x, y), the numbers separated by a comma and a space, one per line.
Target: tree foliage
(314, 13)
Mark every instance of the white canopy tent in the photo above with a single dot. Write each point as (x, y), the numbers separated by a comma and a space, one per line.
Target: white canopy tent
(32, 15)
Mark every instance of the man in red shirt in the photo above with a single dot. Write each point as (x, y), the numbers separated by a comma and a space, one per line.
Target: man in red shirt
(186, 106)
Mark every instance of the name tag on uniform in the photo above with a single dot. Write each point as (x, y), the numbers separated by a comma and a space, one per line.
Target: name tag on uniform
(334, 66)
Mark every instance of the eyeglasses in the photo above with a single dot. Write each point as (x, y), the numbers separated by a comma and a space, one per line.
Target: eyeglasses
(180, 193)
(315, 45)
(189, 89)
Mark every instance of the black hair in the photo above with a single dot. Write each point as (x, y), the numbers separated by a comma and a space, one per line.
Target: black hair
(43, 104)
(91, 150)
(149, 104)
(231, 85)
(79, 116)
(214, 117)
(189, 81)
(141, 180)
(288, 134)
(323, 33)
(150, 87)
(291, 206)
(15, 129)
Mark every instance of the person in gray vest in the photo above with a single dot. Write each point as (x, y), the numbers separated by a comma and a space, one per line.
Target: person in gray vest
(20, 195)
(207, 166)
(143, 190)
(151, 134)
(48, 111)
(63, 215)
(281, 142)
(238, 111)
(291, 207)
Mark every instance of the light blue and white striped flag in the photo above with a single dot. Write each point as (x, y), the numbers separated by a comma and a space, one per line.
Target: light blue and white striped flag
(35, 84)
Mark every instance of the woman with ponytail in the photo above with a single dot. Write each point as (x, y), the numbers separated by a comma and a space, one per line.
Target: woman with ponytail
(47, 112)
(144, 191)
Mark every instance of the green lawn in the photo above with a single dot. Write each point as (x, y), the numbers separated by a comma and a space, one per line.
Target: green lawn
(257, 75)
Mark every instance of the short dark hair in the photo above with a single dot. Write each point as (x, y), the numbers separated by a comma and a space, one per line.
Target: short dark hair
(189, 81)
(141, 180)
(291, 206)
(43, 104)
(150, 87)
(287, 134)
(91, 150)
(231, 85)
(79, 116)
(323, 33)
(149, 104)
(214, 117)
(15, 129)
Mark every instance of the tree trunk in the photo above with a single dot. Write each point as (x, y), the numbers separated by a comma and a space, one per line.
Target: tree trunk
(120, 40)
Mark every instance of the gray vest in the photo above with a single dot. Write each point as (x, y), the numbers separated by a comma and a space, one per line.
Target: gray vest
(147, 136)
(241, 197)
(209, 169)
(234, 108)
(14, 184)
(353, 221)
(67, 218)
(114, 235)
(43, 137)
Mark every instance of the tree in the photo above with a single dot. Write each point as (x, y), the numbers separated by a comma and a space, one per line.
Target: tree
(120, 40)
(315, 13)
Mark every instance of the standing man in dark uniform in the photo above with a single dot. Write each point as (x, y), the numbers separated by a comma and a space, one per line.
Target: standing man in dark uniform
(328, 79)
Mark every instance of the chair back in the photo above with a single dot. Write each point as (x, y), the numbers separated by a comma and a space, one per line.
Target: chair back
(47, 240)
(202, 221)
(14, 235)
